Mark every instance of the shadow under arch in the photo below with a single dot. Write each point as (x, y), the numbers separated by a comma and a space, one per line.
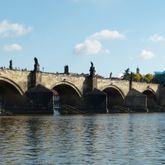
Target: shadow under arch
(11, 95)
(68, 84)
(12, 83)
(68, 94)
(152, 100)
(116, 88)
(115, 97)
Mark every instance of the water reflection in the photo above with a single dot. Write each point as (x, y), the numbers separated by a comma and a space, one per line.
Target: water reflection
(96, 139)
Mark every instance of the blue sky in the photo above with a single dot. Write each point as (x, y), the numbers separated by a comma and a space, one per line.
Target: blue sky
(114, 34)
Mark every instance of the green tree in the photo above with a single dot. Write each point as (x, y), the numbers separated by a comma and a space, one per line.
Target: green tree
(137, 77)
(126, 75)
(148, 78)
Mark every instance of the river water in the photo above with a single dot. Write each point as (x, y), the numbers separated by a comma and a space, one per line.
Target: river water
(117, 139)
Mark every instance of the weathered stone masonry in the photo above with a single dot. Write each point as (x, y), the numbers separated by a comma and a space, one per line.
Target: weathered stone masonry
(116, 89)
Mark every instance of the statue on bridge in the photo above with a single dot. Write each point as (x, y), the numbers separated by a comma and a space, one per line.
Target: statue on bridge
(66, 69)
(11, 64)
(35, 60)
(36, 65)
(110, 75)
(92, 70)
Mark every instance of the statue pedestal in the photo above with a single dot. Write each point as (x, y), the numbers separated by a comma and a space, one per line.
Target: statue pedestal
(36, 67)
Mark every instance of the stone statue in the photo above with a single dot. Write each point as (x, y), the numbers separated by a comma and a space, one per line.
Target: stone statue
(110, 76)
(35, 60)
(92, 70)
(66, 69)
(10, 64)
(92, 64)
(36, 65)
(137, 70)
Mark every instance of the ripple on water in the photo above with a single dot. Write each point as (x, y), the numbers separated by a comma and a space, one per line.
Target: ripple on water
(117, 139)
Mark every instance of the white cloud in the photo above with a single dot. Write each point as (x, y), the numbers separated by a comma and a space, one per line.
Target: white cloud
(146, 55)
(12, 47)
(88, 47)
(106, 34)
(93, 45)
(156, 38)
(8, 29)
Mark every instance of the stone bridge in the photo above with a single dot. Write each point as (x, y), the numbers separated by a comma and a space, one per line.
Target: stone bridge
(20, 81)
(73, 86)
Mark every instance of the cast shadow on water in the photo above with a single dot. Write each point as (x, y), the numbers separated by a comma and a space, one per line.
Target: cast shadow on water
(83, 139)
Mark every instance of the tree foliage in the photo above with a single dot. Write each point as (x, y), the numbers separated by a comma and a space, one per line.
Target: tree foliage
(140, 78)
(137, 77)
(148, 78)
(126, 75)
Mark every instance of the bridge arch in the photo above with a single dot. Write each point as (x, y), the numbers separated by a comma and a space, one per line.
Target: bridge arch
(12, 83)
(68, 93)
(68, 84)
(11, 95)
(114, 87)
(152, 100)
(115, 97)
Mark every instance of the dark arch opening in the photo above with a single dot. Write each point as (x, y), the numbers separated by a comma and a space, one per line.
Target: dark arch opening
(10, 97)
(151, 99)
(68, 96)
(114, 99)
